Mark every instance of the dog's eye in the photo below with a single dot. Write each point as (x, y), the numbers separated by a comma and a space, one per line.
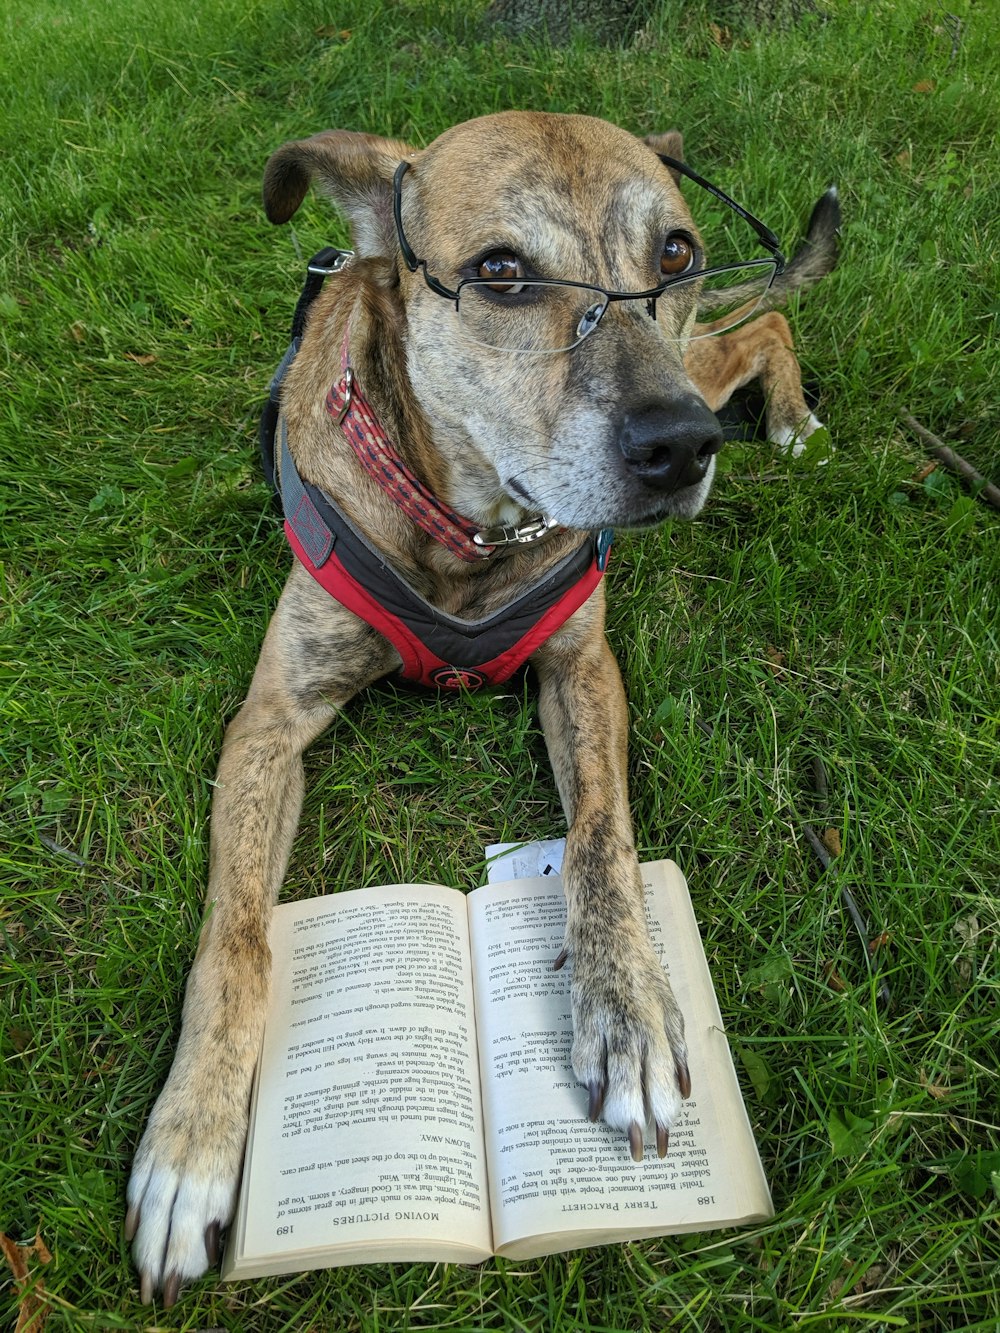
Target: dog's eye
(502, 270)
(678, 255)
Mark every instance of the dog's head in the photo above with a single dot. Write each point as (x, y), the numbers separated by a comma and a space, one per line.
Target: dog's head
(540, 396)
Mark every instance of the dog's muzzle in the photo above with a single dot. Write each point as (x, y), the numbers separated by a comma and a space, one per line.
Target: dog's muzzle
(668, 447)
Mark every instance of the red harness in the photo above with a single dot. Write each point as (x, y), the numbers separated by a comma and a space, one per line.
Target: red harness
(435, 649)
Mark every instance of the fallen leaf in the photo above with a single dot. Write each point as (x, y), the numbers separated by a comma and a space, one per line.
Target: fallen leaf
(78, 332)
(924, 86)
(775, 659)
(853, 1288)
(722, 37)
(833, 978)
(975, 1173)
(936, 1090)
(32, 1306)
(771, 973)
(967, 929)
(182, 468)
(848, 1133)
(904, 158)
(146, 359)
(923, 473)
(879, 942)
(831, 841)
(758, 1072)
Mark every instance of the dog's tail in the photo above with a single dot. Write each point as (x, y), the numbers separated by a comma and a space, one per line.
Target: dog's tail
(814, 259)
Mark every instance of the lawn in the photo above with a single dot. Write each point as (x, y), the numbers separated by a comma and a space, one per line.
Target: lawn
(845, 611)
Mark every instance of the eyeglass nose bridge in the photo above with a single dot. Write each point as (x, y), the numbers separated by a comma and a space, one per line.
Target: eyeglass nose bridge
(595, 312)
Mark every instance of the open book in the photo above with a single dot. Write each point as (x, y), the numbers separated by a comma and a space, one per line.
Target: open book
(415, 1101)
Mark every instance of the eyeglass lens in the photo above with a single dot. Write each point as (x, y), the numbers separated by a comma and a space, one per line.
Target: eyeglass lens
(552, 317)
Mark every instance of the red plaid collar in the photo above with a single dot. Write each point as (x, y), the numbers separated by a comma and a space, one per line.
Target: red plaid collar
(366, 436)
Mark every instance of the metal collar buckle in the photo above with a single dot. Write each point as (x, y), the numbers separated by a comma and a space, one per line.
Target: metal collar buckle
(515, 536)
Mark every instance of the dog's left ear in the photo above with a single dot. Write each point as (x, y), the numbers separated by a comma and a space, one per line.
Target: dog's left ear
(672, 144)
(356, 170)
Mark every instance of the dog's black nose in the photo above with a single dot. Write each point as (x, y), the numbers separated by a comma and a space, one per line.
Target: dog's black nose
(668, 445)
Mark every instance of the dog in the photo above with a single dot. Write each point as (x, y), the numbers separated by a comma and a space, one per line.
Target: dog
(511, 363)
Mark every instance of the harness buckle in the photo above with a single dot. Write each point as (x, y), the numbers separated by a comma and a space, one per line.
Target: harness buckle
(330, 260)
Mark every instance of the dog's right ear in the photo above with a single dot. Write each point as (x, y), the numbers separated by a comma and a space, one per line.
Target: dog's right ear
(671, 144)
(356, 170)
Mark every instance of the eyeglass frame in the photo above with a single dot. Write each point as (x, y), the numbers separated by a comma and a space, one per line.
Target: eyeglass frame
(764, 234)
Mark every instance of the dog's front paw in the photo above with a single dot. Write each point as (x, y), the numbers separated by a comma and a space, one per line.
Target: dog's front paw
(628, 1045)
(793, 439)
(182, 1193)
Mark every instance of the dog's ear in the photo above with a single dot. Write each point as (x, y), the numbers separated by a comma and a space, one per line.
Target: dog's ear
(672, 144)
(356, 170)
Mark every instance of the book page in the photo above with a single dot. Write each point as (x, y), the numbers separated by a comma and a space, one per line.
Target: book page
(366, 1126)
(556, 1180)
(524, 860)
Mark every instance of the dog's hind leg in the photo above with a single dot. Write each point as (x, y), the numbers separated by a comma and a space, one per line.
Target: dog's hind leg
(183, 1186)
(763, 349)
(628, 1033)
(760, 350)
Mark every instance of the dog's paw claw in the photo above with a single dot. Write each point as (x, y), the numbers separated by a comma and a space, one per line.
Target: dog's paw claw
(171, 1290)
(595, 1102)
(212, 1243)
(635, 1141)
(683, 1078)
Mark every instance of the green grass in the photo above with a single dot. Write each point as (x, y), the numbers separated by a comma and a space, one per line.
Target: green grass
(141, 559)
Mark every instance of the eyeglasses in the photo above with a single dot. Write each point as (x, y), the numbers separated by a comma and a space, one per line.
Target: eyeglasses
(542, 315)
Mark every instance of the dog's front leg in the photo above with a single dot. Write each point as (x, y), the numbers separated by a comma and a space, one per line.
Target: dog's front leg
(628, 1033)
(186, 1170)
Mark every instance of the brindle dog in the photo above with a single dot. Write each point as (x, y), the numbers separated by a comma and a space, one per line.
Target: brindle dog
(618, 431)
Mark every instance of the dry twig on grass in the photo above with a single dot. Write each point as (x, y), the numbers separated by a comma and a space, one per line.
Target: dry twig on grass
(987, 491)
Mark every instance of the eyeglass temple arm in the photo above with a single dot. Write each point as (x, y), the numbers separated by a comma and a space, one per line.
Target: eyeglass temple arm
(412, 262)
(409, 258)
(765, 235)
